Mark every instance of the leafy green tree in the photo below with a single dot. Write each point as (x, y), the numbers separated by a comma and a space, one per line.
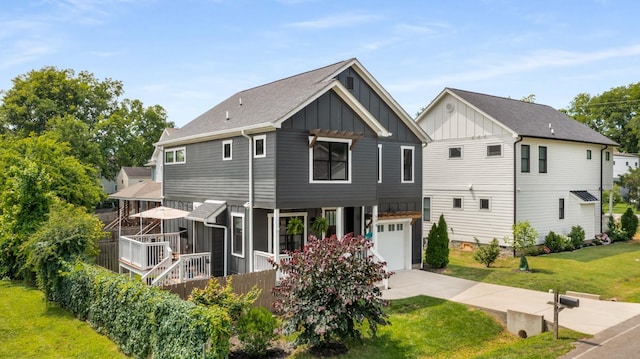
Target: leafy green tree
(629, 222)
(523, 240)
(487, 255)
(329, 289)
(437, 252)
(614, 113)
(631, 181)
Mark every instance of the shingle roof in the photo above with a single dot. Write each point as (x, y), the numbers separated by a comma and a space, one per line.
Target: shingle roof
(137, 171)
(145, 191)
(531, 119)
(203, 212)
(585, 196)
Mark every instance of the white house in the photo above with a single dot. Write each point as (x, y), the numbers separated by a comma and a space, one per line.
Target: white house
(132, 175)
(495, 161)
(623, 162)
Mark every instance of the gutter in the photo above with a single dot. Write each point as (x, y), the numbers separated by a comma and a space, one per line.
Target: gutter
(250, 199)
(601, 183)
(515, 184)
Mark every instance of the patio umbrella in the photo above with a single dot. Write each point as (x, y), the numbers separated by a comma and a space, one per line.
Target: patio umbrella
(162, 213)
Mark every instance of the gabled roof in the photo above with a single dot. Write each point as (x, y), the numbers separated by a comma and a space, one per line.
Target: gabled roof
(137, 171)
(527, 119)
(266, 107)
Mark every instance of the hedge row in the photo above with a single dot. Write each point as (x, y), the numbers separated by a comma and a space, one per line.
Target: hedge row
(143, 321)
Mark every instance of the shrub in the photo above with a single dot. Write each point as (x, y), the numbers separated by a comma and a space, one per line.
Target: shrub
(488, 254)
(215, 295)
(576, 237)
(256, 330)
(329, 289)
(629, 223)
(437, 252)
(523, 241)
(555, 242)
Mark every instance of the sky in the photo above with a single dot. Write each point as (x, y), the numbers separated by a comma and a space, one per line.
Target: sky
(189, 55)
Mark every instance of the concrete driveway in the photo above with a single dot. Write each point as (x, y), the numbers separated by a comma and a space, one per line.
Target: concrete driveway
(591, 317)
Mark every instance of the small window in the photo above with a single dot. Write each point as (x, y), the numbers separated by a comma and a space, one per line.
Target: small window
(407, 164)
(525, 159)
(457, 203)
(607, 155)
(350, 82)
(588, 154)
(260, 146)
(380, 163)
(626, 163)
(426, 209)
(485, 204)
(227, 150)
(175, 156)
(330, 160)
(380, 228)
(542, 159)
(237, 235)
(399, 227)
(392, 227)
(455, 152)
(494, 150)
(561, 209)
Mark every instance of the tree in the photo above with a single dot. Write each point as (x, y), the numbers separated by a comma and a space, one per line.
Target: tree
(614, 113)
(631, 181)
(531, 98)
(629, 223)
(437, 252)
(328, 289)
(524, 238)
(487, 255)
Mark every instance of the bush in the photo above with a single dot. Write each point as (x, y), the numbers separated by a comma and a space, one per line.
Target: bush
(555, 242)
(256, 330)
(629, 223)
(576, 237)
(437, 252)
(616, 233)
(329, 289)
(215, 295)
(487, 255)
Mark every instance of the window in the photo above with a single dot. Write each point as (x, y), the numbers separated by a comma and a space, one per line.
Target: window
(626, 163)
(455, 152)
(380, 228)
(330, 160)
(227, 150)
(260, 146)
(588, 154)
(494, 150)
(426, 209)
(237, 234)
(607, 156)
(525, 159)
(457, 203)
(484, 204)
(561, 209)
(350, 82)
(392, 227)
(407, 164)
(399, 227)
(542, 159)
(175, 156)
(379, 163)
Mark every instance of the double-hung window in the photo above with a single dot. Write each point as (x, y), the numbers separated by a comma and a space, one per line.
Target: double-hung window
(175, 156)
(260, 146)
(407, 161)
(330, 160)
(542, 159)
(525, 158)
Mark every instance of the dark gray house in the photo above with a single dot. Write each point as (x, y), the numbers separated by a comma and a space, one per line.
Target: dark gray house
(329, 143)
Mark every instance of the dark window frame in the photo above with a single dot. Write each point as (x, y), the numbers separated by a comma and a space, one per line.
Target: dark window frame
(426, 218)
(543, 159)
(493, 153)
(525, 158)
(561, 208)
(333, 162)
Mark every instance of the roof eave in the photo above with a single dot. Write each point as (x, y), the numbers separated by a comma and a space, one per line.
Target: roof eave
(209, 136)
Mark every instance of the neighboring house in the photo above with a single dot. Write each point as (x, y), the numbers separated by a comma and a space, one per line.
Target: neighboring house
(156, 161)
(325, 143)
(623, 163)
(108, 186)
(131, 175)
(495, 161)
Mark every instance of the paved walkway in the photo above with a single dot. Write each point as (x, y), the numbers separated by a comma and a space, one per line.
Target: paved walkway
(591, 317)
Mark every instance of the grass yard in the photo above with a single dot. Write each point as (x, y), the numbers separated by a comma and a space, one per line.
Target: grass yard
(618, 208)
(611, 271)
(425, 327)
(32, 328)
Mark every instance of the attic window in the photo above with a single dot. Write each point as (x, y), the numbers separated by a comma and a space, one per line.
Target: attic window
(350, 82)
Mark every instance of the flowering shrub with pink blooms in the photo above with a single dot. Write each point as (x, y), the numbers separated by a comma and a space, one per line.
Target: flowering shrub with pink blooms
(329, 289)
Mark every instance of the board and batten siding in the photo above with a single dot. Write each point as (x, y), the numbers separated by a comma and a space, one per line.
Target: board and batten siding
(568, 169)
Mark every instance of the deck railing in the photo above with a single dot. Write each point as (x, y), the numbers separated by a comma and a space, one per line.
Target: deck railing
(187, 267)
(143, 255)
(172, 238)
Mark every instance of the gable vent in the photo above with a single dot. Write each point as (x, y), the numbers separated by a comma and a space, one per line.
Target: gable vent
(449, 107)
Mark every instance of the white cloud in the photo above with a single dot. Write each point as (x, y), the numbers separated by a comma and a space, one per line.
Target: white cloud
(336, 21)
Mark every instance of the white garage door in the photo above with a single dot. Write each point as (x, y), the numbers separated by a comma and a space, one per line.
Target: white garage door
(393, 243)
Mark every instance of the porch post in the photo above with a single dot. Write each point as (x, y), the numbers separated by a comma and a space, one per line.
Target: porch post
(276, 234)
(363, 223)
(340, 222)
(374, 225)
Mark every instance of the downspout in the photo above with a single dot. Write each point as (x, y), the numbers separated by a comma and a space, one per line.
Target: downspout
(515, 184)
(226, 244)
(601, 183)
(250, 199)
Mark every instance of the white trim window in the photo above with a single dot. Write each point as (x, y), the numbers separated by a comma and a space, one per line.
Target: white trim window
(426, 209)
(227, 150)
(494, 150)
(457, 203)
(174, 156)
(380, 163)
(330, 160)
(485, 204)
(260, 146)
(455, 152)
(408, 163)
(237, 234)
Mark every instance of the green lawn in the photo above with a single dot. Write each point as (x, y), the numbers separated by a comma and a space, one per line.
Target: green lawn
(32, 328)
(425, 327)
(618, 208)
(611, 271)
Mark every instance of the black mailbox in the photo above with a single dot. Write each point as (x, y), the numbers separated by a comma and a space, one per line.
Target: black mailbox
(569, 302)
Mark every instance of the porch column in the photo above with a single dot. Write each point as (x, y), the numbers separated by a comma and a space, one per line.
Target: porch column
(276, 234)
(374, 225)
(339, 222)
(363, 222)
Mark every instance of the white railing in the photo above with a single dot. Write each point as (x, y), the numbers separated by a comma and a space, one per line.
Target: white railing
(160, 268)
(187, 267)
(172, 238)
(261, 262)
(143, 255)
(378, 258)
